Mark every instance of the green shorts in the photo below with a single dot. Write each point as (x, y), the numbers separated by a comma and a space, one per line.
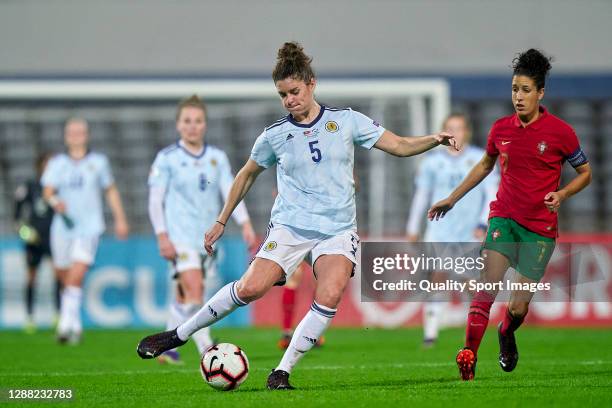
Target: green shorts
(527, 251)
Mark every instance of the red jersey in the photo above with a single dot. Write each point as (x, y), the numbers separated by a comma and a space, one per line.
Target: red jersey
(530, 162)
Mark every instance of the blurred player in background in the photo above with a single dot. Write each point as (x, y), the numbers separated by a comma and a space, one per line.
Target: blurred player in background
(187, 181)
(313, 148)
(438, 175)
(73, 184)
(33, 218)
(532, 146)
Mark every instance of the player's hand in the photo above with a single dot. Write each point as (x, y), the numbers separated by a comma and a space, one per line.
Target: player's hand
(166, 248)
(122, 229)
(59, 207)
(248, 234)
(439, 209)
(480, 232)
(553, 200)
(212, 236)
(447, 139)
(412, 238)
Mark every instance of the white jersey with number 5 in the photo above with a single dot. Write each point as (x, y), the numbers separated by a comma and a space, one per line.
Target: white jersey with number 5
(80, 184)
(316, 188)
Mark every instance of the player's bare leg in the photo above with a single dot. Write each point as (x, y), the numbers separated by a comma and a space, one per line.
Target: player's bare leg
(495, 266)
(257, 281)
(513, 318)
(333, 273)
(70, 327)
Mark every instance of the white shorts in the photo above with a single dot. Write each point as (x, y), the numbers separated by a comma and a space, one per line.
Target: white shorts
(66, 251)
(190, 258)
(287, 246)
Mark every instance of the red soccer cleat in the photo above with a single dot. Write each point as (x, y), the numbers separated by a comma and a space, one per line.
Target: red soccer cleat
(284, 341)
(466, 361)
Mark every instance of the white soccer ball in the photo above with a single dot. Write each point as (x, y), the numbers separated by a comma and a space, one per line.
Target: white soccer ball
(224, 366)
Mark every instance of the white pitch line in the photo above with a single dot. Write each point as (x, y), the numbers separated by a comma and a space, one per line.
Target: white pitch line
(320, 367)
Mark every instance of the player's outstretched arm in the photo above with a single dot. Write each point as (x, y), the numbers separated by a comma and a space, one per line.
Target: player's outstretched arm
(399, 146)
(241, 185)
(475, 176)
(554, 199)
(113, 198)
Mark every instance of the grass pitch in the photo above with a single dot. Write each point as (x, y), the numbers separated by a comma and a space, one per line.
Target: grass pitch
(356, 367)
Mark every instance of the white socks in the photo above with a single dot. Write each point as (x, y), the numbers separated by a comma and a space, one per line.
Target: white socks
(179, 313)
(432, 315)
(220, 305)
(70, 311)
(306, 335)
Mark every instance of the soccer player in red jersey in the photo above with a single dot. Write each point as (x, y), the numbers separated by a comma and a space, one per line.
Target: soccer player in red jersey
(532, 146)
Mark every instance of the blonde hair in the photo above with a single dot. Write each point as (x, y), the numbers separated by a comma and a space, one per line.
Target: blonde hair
(192, 101)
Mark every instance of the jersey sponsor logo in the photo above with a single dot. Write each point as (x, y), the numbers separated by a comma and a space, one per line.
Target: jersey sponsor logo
(183, 256)
(331, 126)
(289, 137)
(505, 142)
(375, 123)
(542, 147)
(213, 162)
(270, 246)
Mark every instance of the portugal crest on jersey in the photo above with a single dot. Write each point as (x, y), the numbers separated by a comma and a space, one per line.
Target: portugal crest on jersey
(331, 126)
(542, 147)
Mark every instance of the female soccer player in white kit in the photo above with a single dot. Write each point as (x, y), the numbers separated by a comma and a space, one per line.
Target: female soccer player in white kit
(186, 184)
(439, 172)
(313, 148)
(73, 183)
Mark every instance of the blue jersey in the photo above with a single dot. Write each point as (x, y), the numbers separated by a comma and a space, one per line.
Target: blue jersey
(316, 188)
(79, 184)
(438, 175)
(193, 186)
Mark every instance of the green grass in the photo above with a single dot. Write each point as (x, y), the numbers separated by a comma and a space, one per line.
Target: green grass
(356, 367)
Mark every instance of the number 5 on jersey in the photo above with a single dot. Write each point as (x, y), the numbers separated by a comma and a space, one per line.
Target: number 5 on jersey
(316, 153)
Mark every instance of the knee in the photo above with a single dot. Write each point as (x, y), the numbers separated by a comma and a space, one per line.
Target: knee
(518, 309)
(249, 291)
(330, 296)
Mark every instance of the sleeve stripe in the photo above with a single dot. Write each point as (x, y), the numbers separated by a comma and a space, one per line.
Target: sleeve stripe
(578, 158)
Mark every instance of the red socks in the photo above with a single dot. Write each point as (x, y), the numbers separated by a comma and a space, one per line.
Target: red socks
(478, 319)
(510, 323)
(288, 303)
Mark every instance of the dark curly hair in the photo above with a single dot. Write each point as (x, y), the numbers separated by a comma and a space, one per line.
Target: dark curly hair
(292, 62)
(534, 64)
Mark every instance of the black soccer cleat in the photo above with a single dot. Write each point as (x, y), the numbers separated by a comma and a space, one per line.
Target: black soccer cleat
(508, 353)
(279, 380)
(156, 344)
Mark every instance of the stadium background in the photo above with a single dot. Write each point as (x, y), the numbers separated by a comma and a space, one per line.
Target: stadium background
(468, 45)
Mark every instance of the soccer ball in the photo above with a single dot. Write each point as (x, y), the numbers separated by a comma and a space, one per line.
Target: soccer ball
(224, 366)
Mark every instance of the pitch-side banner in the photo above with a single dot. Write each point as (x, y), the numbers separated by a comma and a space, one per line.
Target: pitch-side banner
(396, 278)
(128, 286)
